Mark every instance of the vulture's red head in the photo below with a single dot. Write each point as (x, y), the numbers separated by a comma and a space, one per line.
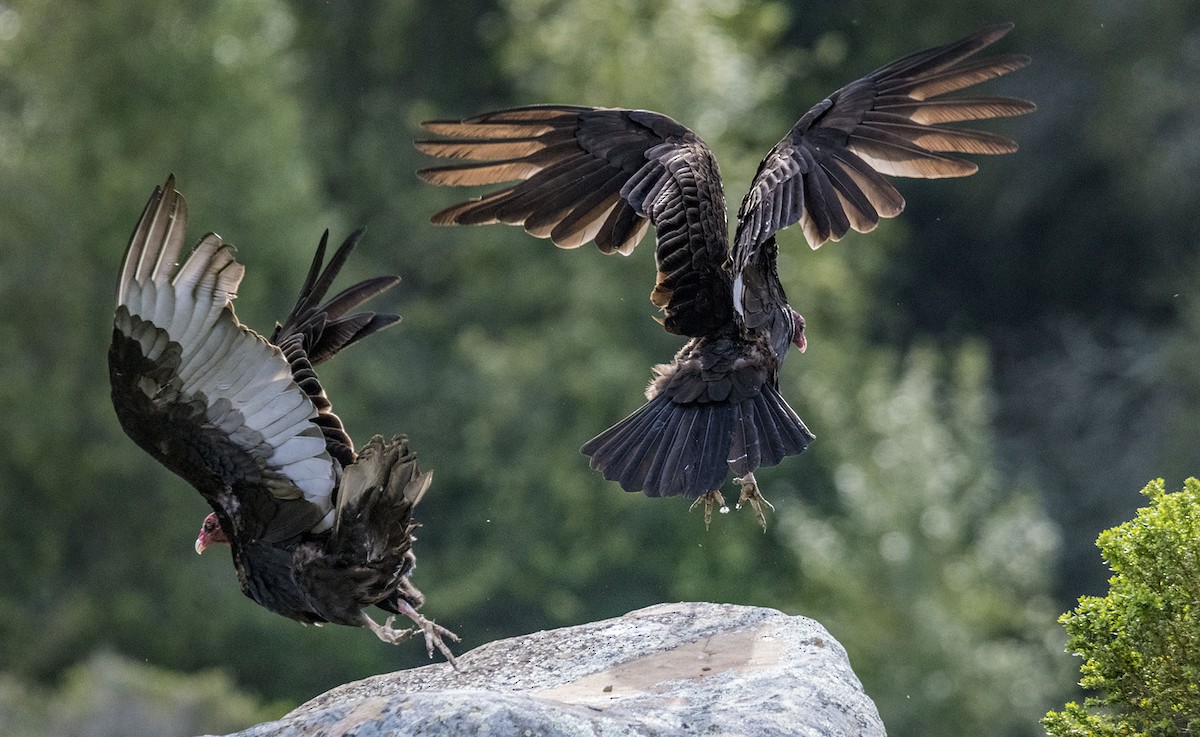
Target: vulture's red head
(210, 532)
(798, 338)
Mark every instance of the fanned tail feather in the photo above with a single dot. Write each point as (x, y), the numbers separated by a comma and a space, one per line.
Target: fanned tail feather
(669, 449)
(766, 430)
(377, 496)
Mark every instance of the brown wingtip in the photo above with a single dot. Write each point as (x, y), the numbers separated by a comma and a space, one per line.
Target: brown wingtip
(426, 146)
(989, 35)
(427, 175)
(449, 215)
(443, 127)
(1014, 61)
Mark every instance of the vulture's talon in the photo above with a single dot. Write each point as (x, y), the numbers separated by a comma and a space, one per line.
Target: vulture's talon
(709, 498)
(752, 496)
(433, 632)
(385, 631)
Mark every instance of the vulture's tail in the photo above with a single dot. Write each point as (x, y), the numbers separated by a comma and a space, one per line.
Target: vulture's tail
(666, 448)
(369, 555)
(376, 498)
(378, 495)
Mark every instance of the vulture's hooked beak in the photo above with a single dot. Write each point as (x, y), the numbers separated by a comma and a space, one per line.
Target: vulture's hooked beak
(210, 532)
(798, 338)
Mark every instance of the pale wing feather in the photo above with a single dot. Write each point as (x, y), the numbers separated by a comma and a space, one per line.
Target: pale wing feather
(284, 414)
(246, 380)
(262, 372)
(208, 356)
(297, 448)
(269, 391)
(221, 350)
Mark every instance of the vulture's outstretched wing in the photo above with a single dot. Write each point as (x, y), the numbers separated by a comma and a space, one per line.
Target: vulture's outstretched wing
(209, 398)
(827, 172)
(605, 175)
(313, 333)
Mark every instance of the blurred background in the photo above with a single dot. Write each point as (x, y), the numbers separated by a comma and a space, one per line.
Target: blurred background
(992, 377)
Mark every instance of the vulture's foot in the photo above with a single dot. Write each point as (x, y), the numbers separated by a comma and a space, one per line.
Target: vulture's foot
(434, 632)
(751, 495)
(385, 632)
(709, 498)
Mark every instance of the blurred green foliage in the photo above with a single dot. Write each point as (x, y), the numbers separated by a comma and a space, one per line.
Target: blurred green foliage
(986, 373)
(1140, 643)
(933, 574)
(111, 696)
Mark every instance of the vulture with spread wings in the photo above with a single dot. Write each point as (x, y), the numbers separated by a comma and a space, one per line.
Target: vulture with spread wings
(606, 175)
(319, 532)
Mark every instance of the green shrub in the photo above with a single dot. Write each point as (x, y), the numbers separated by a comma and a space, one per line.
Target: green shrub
(1141, 643)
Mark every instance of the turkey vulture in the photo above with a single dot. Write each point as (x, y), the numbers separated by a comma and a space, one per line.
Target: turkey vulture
(319, 532)
(606, 175)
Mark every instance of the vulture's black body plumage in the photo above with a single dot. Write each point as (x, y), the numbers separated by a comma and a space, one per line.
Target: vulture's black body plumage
(319, 532)
(607, 175)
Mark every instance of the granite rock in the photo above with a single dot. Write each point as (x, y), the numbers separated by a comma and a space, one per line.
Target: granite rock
(664, 671)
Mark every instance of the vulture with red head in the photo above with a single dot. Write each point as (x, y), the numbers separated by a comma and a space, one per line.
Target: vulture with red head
(578, 174)
(319, 531)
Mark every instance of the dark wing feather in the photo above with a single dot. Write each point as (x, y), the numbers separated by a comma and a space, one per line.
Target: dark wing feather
(209, 398)
(826, 174)
(579, 174)
(313, 333)
(327, 328)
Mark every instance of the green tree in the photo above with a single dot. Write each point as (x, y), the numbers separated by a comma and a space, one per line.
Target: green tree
(1140, 643)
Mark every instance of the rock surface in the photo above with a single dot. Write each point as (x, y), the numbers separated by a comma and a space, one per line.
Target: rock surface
(667, 671)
